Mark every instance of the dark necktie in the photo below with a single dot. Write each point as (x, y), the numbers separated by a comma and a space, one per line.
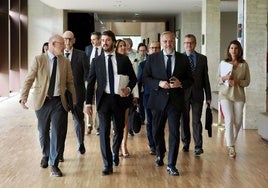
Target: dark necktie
(111, 74)
(67, 54)
(169, 66)
(191, 61)
(52, 78)
(96, 52)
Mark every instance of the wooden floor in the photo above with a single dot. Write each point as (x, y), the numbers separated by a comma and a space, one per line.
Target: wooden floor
(20, 159)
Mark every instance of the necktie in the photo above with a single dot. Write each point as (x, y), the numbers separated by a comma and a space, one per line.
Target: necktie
(96, 52)
(52, 78)
(111, 74)
(191, 61)
(169, 66)
(67, 54)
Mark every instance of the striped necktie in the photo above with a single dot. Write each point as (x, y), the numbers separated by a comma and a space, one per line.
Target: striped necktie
(191, 61)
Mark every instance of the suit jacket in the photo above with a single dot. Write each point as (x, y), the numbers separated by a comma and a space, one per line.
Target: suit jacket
(98, 73)
(201, 81)
(80, 69)
(88, 50)
(39, 78)
(155, 71)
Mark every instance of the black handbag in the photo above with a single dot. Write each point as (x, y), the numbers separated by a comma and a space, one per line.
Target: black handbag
(134, 120)
(209, 120)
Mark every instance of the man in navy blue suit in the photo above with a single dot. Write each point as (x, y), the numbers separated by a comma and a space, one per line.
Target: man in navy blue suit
(80, 69)
(167, 73)
(154, 47)
(93, 51)
(110, 99)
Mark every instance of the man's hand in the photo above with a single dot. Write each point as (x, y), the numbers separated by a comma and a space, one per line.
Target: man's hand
(89, 110)
(125, 92)
(175, 82)
(164, 84)
(23, 102)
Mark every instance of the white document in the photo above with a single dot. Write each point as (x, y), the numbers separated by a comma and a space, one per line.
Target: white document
(121, 81)
(225, 68)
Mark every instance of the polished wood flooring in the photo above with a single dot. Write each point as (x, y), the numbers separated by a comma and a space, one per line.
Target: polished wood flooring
(20, 159)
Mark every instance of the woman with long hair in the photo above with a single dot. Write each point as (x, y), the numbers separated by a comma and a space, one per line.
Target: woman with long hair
(232, 93)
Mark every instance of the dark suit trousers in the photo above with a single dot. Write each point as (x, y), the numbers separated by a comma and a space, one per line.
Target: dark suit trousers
(196, 124)
(171, 114)
(79, 123)
(52, 121)
(149, 121)
(110, 109)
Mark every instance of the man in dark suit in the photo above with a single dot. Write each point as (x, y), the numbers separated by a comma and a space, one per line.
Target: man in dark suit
(167, 73)
(93, 51)
(50, 75)
(80, 69)
(110, 98)
(154, 47)
(194, 96)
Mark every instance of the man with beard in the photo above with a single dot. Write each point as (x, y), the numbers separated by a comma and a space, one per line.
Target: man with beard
(167, 73)
(110, 100)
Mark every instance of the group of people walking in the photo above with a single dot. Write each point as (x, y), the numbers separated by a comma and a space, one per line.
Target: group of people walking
(168, 84)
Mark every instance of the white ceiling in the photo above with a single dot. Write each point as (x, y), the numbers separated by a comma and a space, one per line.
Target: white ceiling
(135, 9)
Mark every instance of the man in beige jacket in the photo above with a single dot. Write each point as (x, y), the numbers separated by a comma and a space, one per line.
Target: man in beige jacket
(50, 75)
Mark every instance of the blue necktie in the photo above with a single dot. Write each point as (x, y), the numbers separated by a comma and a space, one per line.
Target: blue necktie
(51, 88)
(111, 74)
(169, 66)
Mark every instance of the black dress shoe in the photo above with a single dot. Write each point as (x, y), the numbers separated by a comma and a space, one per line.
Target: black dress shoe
(44, 162)
(173, 171)
(185, 149)
(55, 171)
(115, 160)
(198, 151)
(159, 161)
(82, 149)
(107, 171)
(61, 159)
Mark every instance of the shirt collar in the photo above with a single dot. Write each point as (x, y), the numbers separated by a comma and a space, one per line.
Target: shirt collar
(70, 51)
(50, 55)
(165, 53)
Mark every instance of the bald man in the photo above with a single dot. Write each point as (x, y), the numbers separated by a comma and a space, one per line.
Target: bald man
(50, 75)
(80, 69)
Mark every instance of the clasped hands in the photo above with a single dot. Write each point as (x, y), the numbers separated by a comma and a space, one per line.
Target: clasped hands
(173, 83)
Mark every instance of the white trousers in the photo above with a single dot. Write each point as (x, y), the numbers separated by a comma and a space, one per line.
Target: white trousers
(233, 118)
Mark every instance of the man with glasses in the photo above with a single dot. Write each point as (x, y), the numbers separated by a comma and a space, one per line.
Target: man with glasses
(153, 48)
(80, 69)
(194, 96)
(50, 75)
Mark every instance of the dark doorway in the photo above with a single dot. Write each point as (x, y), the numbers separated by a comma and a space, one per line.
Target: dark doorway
(81, 24)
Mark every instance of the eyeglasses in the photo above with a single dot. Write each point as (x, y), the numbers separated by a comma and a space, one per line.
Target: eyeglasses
(189, 42)
(61, 43)
(68, 39)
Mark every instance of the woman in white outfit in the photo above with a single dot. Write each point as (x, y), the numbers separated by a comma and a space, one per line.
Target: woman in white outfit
(233, 77)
